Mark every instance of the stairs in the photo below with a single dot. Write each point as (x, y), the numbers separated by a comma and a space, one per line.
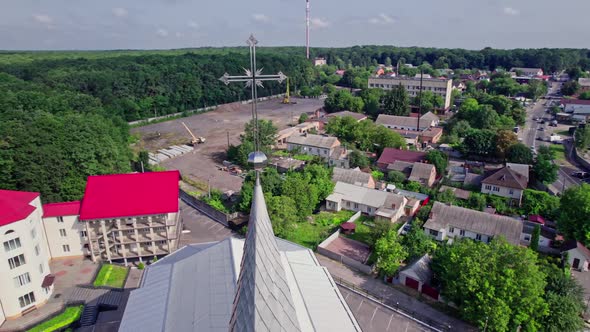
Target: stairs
(89, 315)
(111, 299)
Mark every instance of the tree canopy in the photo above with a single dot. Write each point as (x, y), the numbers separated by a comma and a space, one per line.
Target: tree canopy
(574, 217)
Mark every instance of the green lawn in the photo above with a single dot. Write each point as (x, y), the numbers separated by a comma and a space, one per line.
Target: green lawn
(111, 275)
(362, 233)
(563, 133)
(558, 151)
(70, 315)
(311, 234)
(303, 157)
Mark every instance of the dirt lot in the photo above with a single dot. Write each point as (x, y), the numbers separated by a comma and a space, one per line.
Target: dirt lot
(215, 126)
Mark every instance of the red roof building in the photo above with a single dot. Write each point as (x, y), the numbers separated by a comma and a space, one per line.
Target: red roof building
(61, 209)
(126, 195)
(15, 205)
(390, 155)
(537, 218)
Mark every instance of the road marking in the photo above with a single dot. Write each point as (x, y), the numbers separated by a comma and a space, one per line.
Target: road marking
(390, 319)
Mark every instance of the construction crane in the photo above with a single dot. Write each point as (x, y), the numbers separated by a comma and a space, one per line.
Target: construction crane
(287, 99)
(195, 140)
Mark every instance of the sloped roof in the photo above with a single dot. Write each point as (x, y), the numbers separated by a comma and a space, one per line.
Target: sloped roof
(507, 177)
(399, 121)
(401, 166)
(419, 270)
(319, 141)
(459, 193)
(573, 244)
(390, 155)
(263, 300)
(421, 171)
(362, 195)
(15, 205)
(523, 169)
(351, 176)
(124, 195)
(61, 209)
(443, 216)
(357, 116)
(430, 117)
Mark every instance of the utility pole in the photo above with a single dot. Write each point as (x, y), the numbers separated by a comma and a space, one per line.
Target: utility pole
(228, 139)
(209, 187)
(420, 102)
(307, 19)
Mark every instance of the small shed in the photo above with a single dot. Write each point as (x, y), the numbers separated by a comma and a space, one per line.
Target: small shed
(537, 219)
(348, 227)
(417, 274)
(578, 255)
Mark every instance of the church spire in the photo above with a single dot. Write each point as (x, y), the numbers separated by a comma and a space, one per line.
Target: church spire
(263, 300)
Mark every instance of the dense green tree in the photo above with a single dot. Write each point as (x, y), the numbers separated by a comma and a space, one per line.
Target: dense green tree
(540, 202)
(536, 89)
(396, 177)
(439, 159)
(479, 142)
(372, 101)
(476, 201)
(582, 137)
(413, 186)
(282, 212)
(396, 101)
(570, 88)
(519, 153)
(584, 95)
(535, 238)
(294, 185)
(417, 243)
(386, 138)
(544, 169)
(504, 140)
(343, 100)
(504, 85)
(497, 286)
(574, 216)
(303, 117)
(430, 101)
(389, 252)
(357, 158)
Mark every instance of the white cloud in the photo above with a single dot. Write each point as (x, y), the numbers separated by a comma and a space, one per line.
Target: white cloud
(120, 12)
(41, 18)
(162, 32)
(193, 24)
(511, 11)
(179, 34)
(319, 23)
(382, 19)
(260, 18)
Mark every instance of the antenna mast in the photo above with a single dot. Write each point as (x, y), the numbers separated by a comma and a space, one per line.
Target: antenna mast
(307, 28)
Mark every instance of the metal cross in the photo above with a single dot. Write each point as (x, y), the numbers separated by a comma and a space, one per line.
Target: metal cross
(253, 79)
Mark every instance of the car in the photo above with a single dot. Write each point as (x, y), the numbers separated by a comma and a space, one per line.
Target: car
(406, 229)
(542, 122)
(542, 128)
(581, 175)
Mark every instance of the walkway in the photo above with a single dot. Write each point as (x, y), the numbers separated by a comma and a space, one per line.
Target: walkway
(392, 296)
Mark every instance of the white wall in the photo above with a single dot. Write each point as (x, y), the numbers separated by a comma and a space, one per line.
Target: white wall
(73, 238)
(543, 241)
(310, 150)
(456, 234)
(574, 253)
(9, 293)
(504, 191)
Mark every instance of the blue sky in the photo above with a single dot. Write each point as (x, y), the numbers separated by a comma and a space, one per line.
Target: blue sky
(162, 24)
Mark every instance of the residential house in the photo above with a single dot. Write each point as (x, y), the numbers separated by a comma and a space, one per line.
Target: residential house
(453, 222)
(584, 82)
(420, 172)
(438, 86)
(408, 122)
(578, 256)
(369, 201)
(353, 176)
(546, 237)
(313, 145)
(578, 108)
(390, 155)
(458, 193)
(319, 61)
(357, 116)
(527, 71)
(339, 157)
(506, 182)
(299, 129)
(458, 85)
(417, 274)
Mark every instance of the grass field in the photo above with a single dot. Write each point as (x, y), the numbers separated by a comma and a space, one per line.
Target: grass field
(311, 234)
(70, 315)
(111, 275)
(362, 232)
(558, 151)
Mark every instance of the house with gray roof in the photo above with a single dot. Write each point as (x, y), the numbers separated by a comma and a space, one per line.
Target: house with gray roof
(353, 176)
(261, 283)
(313, 145)
(423, 173)
(419, 271)
(369, 201)
(453, 222)
(507, 182)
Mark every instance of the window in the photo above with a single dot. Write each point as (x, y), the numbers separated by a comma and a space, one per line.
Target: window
(22, 280)
(496, 188)
(356, 205)
(60, 219)
(12, 244)
(16, 261)
(462, 232)
(369, 209)
(527, 238)
(37, 250)
(478, 237)
(488, 187)
(41, 270)
(26, 299)
(83, 234)
(47, 289)
(62, 232)
(130, 231)
(451, 229)
(66, 247)
(511, 191)
(33, 233)
(433, 232)
(162, 242)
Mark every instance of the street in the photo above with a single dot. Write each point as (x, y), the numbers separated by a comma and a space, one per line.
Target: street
(532, 130)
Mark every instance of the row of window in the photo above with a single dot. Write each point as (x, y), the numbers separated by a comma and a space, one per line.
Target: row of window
(12, 244)
(22, 280)
(462, 233)
(497, 189)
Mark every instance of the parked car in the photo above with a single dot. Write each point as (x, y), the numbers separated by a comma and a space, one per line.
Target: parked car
(581, 175)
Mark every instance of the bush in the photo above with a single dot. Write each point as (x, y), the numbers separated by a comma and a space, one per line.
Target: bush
(70, 315)
(141, 266)
(111, 275)
(332, 219)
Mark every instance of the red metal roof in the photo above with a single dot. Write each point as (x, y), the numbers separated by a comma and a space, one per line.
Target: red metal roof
(61, 209)
(125, 195)
(390, 155)
(15, 205)
(537, 218)
(565, 101)
(48, 280)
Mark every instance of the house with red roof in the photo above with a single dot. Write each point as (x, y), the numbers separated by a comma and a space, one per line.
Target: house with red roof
(390, 155)
(25, 279)
(62, 226)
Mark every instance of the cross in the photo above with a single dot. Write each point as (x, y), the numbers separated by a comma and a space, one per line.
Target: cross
(253, 78)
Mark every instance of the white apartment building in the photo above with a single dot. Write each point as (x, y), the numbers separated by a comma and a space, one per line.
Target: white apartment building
(25, 280)
(439, 86)
(68, 235)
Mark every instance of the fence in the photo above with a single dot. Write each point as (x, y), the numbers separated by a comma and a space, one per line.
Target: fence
(394, 306)
(221, 217)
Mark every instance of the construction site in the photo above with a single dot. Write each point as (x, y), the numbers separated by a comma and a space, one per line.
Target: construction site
(197, 145)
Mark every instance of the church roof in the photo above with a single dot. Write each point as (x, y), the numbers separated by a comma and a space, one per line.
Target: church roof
(263, 300)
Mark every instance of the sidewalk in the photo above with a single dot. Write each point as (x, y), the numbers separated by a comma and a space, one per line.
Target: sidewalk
(391, 295)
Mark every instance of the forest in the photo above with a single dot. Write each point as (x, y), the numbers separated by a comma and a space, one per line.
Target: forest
(63, 115)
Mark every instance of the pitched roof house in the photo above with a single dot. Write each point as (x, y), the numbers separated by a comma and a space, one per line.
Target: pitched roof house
(578, 255)
(506, 182)
(423, 173)
(390, 155)
(456, 222)
(353, 176)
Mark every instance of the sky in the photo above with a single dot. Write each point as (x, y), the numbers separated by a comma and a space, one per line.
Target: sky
(166, 24)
